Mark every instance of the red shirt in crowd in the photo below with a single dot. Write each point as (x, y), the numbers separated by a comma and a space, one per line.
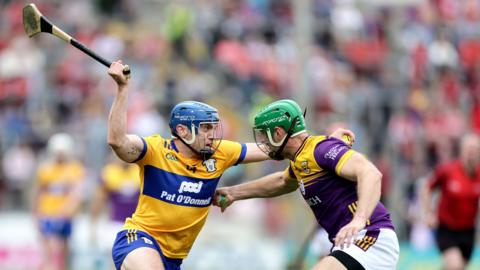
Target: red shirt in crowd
(459, 195)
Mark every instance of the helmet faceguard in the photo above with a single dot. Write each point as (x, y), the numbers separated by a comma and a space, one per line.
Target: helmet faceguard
(204, 124)
(285, 114)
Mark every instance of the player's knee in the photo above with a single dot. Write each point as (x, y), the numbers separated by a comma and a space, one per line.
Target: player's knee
(453, 259)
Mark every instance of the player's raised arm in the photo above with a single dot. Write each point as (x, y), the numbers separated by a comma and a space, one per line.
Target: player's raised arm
(127, 147)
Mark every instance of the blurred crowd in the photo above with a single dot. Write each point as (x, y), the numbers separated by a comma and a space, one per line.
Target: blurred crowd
(404, 75)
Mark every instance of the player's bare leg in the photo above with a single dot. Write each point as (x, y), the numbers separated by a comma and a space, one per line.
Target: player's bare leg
(330, 263)
(56, 252)
(46, 254)
(65, 253)
(452, 259)
(143, 258)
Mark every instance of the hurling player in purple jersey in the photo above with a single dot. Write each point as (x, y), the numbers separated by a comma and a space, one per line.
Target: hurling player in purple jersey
(340, 185)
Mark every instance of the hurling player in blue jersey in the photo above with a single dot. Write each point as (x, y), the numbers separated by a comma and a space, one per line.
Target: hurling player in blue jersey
(340, 185)
(178, 178)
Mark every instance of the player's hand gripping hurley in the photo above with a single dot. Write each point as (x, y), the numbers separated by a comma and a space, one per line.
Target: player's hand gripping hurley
(34, 22)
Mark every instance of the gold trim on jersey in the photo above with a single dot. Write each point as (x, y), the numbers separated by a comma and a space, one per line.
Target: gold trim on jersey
(353, 208)
(342, 160)
(366, 242)
(310, 179)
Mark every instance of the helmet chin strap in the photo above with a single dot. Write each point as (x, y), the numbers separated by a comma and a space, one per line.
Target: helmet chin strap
(205, 154)
(277, 155)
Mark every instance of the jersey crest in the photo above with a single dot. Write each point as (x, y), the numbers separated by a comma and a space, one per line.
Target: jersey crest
(304, 166)
(210, 165)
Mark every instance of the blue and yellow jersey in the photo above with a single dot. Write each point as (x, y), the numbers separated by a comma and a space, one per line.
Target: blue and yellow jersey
(176, 192)
(55, 181)
(122, 185)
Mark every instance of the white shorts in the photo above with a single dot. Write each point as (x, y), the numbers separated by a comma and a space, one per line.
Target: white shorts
(375, 250)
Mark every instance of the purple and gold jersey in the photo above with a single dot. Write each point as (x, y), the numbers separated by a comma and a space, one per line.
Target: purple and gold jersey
(176, 192)
(332, 198)
(122, 185)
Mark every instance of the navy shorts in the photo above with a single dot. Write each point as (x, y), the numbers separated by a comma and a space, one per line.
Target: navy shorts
(129, 240)
(56, 227)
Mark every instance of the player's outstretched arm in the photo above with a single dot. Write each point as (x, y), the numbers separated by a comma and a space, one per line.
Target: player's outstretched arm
(127, 147)
(272, 185)
(359, 168)
(254, 154)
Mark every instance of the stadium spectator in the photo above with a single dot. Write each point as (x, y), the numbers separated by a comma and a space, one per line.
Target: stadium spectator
(19, 164)
(455, 217)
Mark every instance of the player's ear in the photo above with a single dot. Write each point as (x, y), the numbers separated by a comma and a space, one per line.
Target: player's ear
(182, 130)
(278, 133)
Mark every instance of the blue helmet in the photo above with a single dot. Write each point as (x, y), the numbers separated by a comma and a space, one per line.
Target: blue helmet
(191, 114)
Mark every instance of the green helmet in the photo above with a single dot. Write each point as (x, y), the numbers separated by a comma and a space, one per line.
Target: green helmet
(284, 113)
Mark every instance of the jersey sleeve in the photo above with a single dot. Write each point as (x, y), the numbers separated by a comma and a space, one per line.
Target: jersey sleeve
(151, 145)
(234, 152)
(331, 154)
